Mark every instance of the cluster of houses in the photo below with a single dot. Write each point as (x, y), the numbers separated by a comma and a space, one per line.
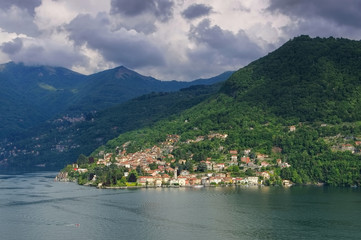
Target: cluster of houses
(354, 148)
(350, 147)
(195, 180)
(162, 173)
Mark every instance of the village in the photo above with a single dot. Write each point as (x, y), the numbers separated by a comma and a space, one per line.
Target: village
(157, 167)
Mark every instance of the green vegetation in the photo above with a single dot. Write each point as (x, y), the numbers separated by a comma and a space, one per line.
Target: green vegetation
(33, 95)
(59, 142)
(47, 87)
(311, 84)
(304, 80)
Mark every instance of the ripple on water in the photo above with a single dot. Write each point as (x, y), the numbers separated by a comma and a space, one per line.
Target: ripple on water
(70, 211)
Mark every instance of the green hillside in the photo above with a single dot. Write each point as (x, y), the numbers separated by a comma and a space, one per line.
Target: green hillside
(114, 86)
(32, 95)
(299, 104)
(29, 95)
(60, 141)
(307, 79)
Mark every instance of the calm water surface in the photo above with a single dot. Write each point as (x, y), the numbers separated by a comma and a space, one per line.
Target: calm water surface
(33, 206)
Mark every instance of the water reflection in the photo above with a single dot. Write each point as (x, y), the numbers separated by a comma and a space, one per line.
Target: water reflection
(33, 206)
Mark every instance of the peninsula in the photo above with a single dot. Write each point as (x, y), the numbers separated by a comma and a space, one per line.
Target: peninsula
(157, 167)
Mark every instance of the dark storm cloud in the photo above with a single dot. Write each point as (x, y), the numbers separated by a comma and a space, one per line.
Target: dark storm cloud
(342, 13)
(223, 46)
(12, 47)
(17, 20)
(41, 53)
(196, 11)
(17, 16)
(29, 5)
(121, 47)
(162, 9)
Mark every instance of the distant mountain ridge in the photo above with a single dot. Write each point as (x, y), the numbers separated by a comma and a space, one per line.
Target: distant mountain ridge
(60, 141)
(123, 84)
(51, 115)
(30, 95)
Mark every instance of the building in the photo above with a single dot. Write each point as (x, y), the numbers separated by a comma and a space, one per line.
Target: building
(292, 128)
(233, 152)
(348, 147)
(247, 151)
(252, 180)
(261, 157)
(245, 159)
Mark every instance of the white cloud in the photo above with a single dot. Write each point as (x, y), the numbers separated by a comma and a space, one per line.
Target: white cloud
(44, 51)
(167, 39)
(52, 14)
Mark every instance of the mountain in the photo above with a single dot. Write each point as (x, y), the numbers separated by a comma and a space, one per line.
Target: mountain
(31, 95)
(120, 84)
(308, 79)
(61, 139)
(296, 111)
(209, 81)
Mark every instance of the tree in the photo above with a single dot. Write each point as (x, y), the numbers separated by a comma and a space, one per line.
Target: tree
(286, 173)
(250, 172)
(233, 168)
(189, 166)
(123, 181)
(133, 176)
(202, 167)
(82, 159)
(153, 166)
(139, 170)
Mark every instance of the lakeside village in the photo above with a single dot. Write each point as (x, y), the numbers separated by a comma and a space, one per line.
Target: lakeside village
(157, 167)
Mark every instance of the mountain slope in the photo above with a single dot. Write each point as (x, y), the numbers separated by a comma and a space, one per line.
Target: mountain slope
(31, 95)
(61, 140)
(308, 79)
(120, 84)
(299, 104)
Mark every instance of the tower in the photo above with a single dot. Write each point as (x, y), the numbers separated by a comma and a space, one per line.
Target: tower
(175, 172)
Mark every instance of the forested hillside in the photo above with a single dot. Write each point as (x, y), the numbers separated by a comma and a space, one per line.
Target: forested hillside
(49, 115)
(300, 104)
(60, 141)
(306, 79)
(31, 95)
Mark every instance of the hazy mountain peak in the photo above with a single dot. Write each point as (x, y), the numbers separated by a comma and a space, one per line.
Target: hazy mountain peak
(123, 72)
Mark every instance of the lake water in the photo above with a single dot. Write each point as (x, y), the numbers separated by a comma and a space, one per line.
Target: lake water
(33, 206)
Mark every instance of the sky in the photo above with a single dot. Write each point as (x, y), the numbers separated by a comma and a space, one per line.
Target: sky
(167, 39)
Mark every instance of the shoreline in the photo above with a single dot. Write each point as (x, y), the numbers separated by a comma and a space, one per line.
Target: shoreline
(201, 186)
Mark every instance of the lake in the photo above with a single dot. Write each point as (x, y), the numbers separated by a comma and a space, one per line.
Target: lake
(33, 206)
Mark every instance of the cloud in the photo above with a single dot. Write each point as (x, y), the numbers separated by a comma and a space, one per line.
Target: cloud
(341, 13)
(18, 20)
(121, 46)
(222, 46)
(42, 52)
(196, 11)
(28, 5)
(162, 9)
(12, 47)
(168, 39)
(141, 15)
